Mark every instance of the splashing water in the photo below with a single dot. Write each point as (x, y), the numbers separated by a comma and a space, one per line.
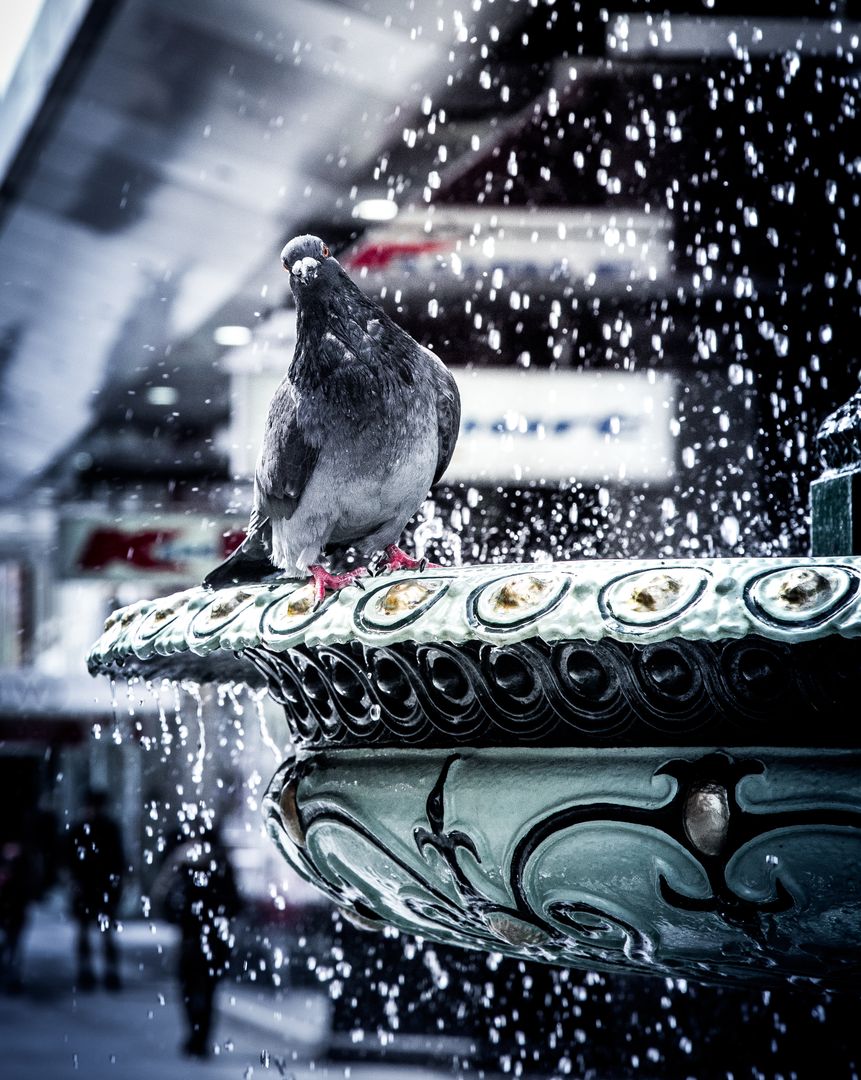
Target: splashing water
(258, 697)
(193, 691)
(166, 733)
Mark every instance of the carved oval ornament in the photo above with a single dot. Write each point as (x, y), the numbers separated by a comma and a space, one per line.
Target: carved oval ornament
(706, 817)
(291, 613)
(517, 600)
(398, 603)
(225, 606)
(802, 594)
(651, 597)
(157, 620)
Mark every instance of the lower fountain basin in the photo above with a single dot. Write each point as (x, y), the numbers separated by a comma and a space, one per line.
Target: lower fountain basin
(731, 863)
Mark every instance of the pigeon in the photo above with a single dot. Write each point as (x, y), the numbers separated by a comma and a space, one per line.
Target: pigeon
(361, 426)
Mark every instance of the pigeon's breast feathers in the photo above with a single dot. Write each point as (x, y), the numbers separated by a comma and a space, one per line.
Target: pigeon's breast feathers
(345, 342)
(354, 363)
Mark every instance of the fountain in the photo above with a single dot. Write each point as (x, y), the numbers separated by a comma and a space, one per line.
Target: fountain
(637, 765)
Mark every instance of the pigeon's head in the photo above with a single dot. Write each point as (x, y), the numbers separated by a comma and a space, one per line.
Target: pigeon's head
(307, 260)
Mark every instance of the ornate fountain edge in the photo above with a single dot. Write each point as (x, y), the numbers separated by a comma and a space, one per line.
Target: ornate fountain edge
(647, 601)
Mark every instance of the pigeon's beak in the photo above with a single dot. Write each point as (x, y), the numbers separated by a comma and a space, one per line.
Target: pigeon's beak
(304, 269)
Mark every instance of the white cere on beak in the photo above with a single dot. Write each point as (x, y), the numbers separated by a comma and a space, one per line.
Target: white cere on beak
(306, 267)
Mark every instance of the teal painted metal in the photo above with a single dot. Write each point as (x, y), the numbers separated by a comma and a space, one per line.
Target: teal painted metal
(695, 862)
(835, 498)
(835, 514)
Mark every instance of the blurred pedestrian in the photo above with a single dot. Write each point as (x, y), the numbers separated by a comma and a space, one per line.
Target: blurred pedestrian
(96, 867)
(42, 836)
(16, 892)
(196, 889)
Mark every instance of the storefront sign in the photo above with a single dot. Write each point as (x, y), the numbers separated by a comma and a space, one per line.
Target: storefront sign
(612, 427)
(180, 547)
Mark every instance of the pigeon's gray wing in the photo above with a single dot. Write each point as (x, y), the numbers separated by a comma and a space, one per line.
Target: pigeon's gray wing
(286, 463)
(447, 411)
(287, 460)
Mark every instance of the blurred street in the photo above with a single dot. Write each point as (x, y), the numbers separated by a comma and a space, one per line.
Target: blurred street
(49, 1031)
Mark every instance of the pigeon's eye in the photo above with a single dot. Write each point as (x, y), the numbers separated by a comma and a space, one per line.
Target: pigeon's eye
(325, 252)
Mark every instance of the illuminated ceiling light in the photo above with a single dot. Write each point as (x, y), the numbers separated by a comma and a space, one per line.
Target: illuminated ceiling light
(232, 335)
(162, 395)
(375, 209)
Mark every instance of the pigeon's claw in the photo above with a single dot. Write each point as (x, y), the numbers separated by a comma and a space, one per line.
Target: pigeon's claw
(377, 565)
(325, 582)
(396, 559)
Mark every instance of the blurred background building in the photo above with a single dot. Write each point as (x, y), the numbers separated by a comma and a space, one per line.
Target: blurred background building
(631, 230)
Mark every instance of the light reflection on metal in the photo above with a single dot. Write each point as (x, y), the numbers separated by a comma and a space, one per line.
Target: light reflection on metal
(706, 817)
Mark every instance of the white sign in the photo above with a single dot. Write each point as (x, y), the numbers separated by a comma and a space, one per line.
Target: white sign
(524, 425)
(551, 425)
(451, 245)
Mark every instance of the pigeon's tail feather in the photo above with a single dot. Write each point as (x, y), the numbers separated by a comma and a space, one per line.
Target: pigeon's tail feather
(239, 571)
(252, 560)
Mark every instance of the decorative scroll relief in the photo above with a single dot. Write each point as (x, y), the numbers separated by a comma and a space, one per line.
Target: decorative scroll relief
(568, 693)
(641, 860)
(645, 601)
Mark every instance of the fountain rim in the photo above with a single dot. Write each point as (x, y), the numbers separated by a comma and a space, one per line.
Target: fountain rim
(202, 634)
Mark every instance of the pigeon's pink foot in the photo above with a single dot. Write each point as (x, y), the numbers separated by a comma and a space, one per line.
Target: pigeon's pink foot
(325, 582)
(399, 560)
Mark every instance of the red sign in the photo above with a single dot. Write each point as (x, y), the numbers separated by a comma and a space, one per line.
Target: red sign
(176, 546)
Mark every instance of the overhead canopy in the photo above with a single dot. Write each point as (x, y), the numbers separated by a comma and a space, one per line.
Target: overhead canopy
(178, 147)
